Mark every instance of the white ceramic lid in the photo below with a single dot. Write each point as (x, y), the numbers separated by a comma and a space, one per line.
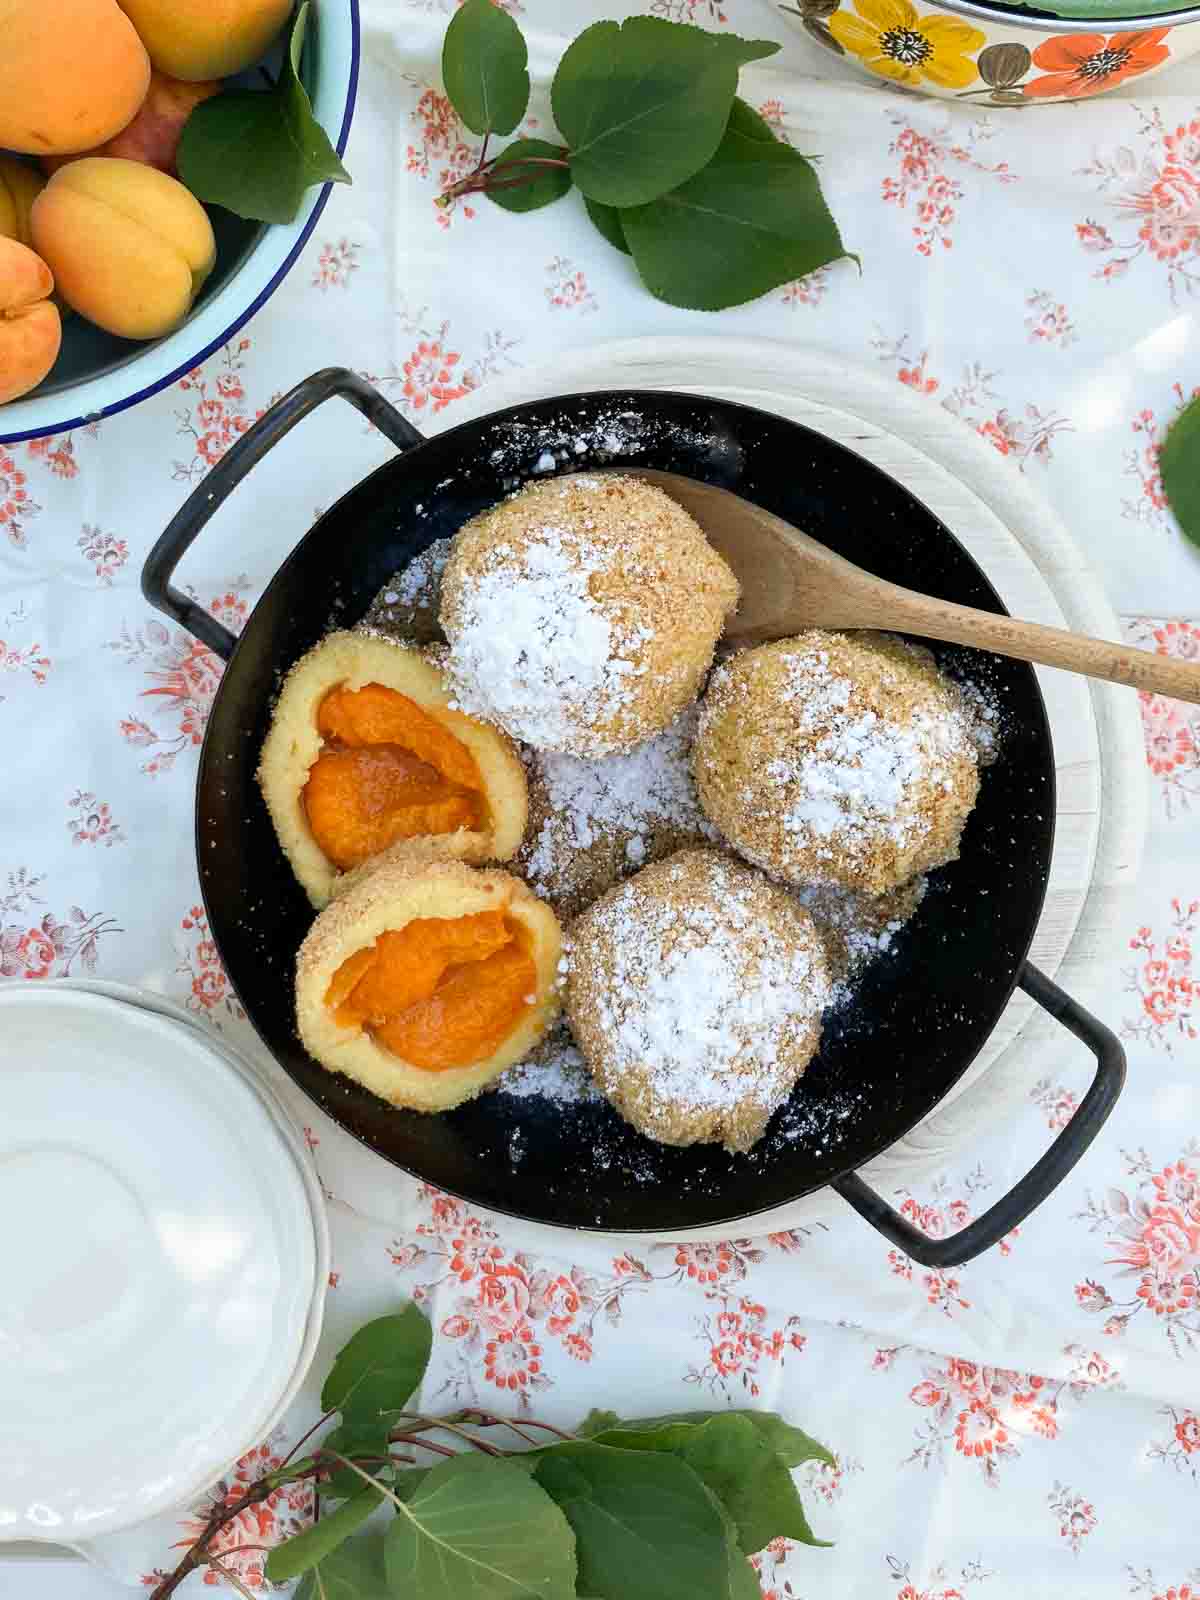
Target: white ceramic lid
(158, 1257)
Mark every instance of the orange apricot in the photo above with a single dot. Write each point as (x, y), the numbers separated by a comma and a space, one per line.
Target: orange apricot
(129, 246)
(153, 135)
(30, 327)
(72, 73)
(197, 39)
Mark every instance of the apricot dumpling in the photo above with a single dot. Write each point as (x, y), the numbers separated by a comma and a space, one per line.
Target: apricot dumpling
(426, 979)
(365, 758)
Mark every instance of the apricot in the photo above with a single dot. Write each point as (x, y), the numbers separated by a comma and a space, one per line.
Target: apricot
(153, 135)
(128, 246)
(30, 329)
(20, 185)
(72, 74)
(198, 39)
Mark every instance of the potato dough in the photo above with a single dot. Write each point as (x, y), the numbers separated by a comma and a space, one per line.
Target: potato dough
(352, 660)
(385, 901)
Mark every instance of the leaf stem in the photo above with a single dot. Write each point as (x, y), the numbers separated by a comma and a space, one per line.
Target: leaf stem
(305, 1437)
(231, 1578)
(450, 1426)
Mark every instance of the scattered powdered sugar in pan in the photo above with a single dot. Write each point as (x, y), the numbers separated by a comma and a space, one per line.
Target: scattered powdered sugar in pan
(407, 606)
(555, 1071)
(594, 822)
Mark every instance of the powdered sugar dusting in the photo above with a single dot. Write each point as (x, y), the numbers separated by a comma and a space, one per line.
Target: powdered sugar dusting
(861, 767)
(631, 798)
(556, 1072)
(533, 650)
(698, 1000)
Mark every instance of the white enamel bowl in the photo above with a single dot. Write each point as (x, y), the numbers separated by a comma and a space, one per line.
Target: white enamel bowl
(97, 374)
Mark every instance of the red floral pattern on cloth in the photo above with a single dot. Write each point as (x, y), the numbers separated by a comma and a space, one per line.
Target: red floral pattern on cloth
(932, 170)
(1024, 438)
(336, 264)
(1145, 1583)
(984, 1413)
(1076, 1516)
(1047, 320)
(46, 946)
(17, 505)
(1163, 982)
(434, 374)
(217, 413)
(57, 452)
(1181, 1447)
(441, 151)
(92, 822)
(938, 1584)
(106, 553)
(697, 12)
(1057, 1102)
(568, 287)
(506, 1309)
(1154, 188)
(944, 1214)
(27, 661)
(242, 1545)
(1141, 463)
(1153, 1228)
(210, 994)
(183, 672)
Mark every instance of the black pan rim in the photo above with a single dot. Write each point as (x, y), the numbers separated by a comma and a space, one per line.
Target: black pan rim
(215, 909)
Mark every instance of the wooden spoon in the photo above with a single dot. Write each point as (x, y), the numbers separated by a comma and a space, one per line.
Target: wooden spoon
(791, 582)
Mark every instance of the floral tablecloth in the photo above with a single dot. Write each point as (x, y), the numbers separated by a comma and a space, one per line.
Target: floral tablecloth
(1026, 1425)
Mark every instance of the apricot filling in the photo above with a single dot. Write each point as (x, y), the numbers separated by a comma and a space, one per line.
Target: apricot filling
(441, 991)
(387, 771)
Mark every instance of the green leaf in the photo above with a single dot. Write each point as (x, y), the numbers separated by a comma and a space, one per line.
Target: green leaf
(379, 1370)
(480, 1529)
(258, 153)
(643, 104)
(484, 68)
(792, 1445)
(354, 1571)
(607, 220)
(645, 1526)
(752, 219)
(354, 1439)
(745, 120)
(743, 1580)
(1179, 463)
(296, 1555)
(546, 184)
(737, 1463)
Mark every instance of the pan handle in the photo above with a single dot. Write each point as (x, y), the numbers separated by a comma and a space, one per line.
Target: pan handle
(1043, 1177)
(233, 466)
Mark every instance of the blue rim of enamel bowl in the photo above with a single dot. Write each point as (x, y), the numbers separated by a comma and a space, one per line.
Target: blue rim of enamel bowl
(42, 429)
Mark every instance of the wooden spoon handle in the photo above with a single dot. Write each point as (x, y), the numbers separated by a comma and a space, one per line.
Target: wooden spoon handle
(907, 612)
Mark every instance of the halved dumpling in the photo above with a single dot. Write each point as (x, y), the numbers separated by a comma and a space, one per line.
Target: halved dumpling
(365, 754)
(427, 979)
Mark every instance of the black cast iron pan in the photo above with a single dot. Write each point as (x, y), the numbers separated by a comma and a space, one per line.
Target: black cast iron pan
(920, 1015)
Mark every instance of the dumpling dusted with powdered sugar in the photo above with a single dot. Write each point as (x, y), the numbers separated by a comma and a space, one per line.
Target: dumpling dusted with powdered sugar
(836, 759)
(582, 614)
(695, 992)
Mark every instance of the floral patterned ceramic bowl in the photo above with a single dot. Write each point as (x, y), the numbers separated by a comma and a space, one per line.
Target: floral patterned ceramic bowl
(982, 53)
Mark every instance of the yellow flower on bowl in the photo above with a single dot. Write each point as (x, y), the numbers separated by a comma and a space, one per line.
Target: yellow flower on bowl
(892, 40)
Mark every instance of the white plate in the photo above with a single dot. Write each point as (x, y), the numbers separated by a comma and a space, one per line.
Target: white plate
(159, 1258)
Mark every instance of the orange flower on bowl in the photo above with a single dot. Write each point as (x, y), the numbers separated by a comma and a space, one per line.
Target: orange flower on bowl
(890, 38)
(1085, 63)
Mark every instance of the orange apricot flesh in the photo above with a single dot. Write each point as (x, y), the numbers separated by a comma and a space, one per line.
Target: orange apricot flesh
(388, 771)
(440, 992)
